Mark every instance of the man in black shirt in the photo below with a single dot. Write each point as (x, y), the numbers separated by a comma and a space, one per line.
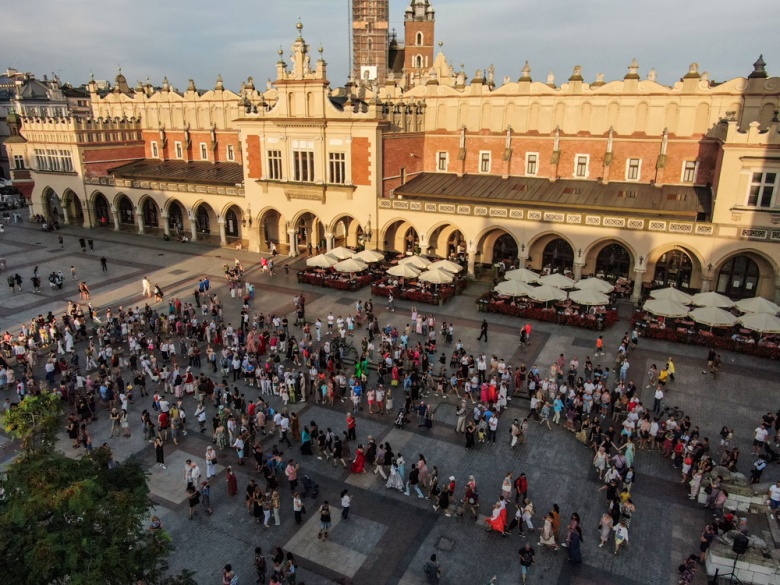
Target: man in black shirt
(526, 560)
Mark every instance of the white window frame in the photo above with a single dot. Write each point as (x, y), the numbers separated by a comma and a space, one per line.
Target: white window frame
(577, 163)
(204, 151)
(485, 157)
(528, 156)
(686, 170)
(230, 153)
(66, 161)
(337, 168)
(419, 39)
(19, 163)
(275, 164)
(638, 169)
(155, 149)
(178, 150)
(303, 165)
(762, 184)
(418, 62)
(442, 161)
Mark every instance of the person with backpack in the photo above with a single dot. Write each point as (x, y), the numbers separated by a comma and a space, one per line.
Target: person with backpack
(432, 570)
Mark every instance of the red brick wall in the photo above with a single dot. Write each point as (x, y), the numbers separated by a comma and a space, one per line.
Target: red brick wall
(253, 157)
(98, 160)
(224, 137)
(361, 161)
(396, 151)
(411, 28)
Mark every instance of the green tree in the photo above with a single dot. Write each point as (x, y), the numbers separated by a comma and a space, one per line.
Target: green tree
(78, 522)
(35, 421)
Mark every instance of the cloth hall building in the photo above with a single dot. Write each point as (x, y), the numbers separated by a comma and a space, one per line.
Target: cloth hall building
(664, 186)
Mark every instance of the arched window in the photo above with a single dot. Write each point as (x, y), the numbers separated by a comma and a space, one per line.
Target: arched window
(673, 269)
(150, 214)
(231, 224)
(738, 278)
(419, 39)
(204, 226)
(418, 61)
(126, 212)
(613, 262)
(558, 256)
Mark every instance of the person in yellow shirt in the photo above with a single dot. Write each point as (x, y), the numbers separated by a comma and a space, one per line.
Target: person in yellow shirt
(670, 367)
(663, 376)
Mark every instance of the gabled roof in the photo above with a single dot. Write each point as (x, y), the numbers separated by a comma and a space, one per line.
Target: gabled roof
(181, 171)
(641, 198)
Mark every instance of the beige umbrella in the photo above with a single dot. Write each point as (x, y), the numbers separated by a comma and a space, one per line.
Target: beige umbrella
(416, 261)
(437, 276)
(405, 270)
(761, 322)
(321, 261)
(447, 265)
(713, 317)
(351, 265)
(665, 308)
(557, 280)
(672, 294)
(341, 253)
(522, 275)
(546, 293)
(596, 284)
(369, 256)
(757, 305)
(513, 288)
(711, 299)
(588, 297)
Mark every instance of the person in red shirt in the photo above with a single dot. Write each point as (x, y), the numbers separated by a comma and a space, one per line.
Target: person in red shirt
(351, 426)
(163, 424)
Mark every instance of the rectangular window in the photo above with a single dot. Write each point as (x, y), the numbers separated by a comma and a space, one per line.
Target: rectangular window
(179, 150)
(66, 161)
(442, 161)
(763, 188)
(632, 169)
(40, 159)
(303, 166)
(52, 160)
(484, 161)
(204, 151)
(581, 166)
(403, 175)
(531, 163)
(155, 150)
(231, 153)
(337, 163)
(18, 161)
(275, 165)
(689, 171)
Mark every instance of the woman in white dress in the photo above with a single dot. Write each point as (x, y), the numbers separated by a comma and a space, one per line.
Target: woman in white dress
(395, 481)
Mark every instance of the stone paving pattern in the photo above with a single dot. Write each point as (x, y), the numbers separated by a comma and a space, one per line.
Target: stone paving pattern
(389, 536)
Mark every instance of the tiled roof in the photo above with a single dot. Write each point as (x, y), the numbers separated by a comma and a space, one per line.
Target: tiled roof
(181, 171)
(674, 200)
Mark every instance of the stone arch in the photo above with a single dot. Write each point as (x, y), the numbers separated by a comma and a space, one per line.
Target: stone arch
(671, 117)
(640, 117)
(613, 114)
(309, 230)
(71, 204)
(445, 239)
(702, 120)
(745, 273)
(585, 116)
(273, 230)
(400, 235)
(102, 209)
(497, 244)
(52, 206)
(177, 216)
(766, 114)
(604, 260)
(125, 209)
(346, 231)
(676, 265)
(537, 247)
(234, 219)
(206, 221)
(150, 212)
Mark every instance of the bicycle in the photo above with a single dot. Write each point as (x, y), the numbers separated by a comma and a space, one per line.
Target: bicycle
(671, 411)
(344, 347)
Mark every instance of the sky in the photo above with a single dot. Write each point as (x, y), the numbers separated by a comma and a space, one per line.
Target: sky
(199, 39)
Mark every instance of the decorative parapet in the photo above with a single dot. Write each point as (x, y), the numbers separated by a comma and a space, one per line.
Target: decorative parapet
(163, 186)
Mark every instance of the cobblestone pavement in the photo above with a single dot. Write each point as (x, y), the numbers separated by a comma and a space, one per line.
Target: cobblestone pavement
(389, 536)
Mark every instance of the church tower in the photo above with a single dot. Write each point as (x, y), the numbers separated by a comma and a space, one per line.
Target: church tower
(370, 20)
(419, 21)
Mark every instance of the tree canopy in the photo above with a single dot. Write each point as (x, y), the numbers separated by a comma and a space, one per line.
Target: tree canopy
(35, 421)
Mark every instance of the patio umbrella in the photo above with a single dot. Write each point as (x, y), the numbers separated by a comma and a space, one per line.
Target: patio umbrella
(369, 256)
(405, 270)
(761, 322)
(713, 317)
(557, 280)
(596, 284)
(711, 299)
(588, 297)
(672, 294)
(350, 265)
(321, 261)
(665, 308)
(546, 293)
(757, 305)
(513, 288)
(341, 253)
(437, 276)
(522, 275)
(447, 265)
(416, 261)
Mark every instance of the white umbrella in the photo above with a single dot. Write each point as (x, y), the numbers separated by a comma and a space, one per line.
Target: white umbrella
(711, 299)
(757, 305)
(665, 308)
(341, 253)
(417, 261)
(405, 270)
(513, 288)
(369, 256)
(713, 316)
(596, 284)
(351, 265)
(321, 261)
(672, 294)
(761, 322)
(557, 280)
(588, 297)
(447, 265)
(546, 293)
(522, 275)
(437, 276)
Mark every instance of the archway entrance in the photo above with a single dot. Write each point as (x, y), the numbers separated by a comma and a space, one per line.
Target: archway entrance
(674, 268)
(738, 277)
(176, 218)
(126, 211)
(309, 230)
(347, 232)
(102, 211)
(447, 241)
(505, 250)
(272, 230)
(558, 256)
(401, 236)
(52, 207)
(150, 213)
(233, 223)
(206, 223)
(613, 262)
(72, 205)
